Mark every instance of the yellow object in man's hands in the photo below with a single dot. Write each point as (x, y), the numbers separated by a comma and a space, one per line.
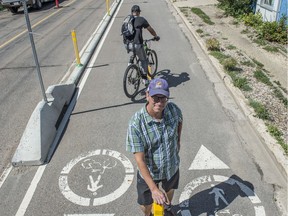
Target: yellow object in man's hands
(158, 209)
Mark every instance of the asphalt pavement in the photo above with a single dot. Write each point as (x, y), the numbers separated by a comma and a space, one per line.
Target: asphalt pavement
(90, 173)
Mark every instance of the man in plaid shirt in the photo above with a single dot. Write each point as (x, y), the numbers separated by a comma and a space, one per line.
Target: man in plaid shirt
(154, 137)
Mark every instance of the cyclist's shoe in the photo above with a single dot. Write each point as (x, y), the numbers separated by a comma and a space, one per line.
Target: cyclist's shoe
(144, 76)
(156, 38)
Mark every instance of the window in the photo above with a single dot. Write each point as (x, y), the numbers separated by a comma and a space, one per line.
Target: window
(268, 2)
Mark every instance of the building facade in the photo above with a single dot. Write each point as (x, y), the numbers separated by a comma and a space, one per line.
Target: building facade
(272, 10)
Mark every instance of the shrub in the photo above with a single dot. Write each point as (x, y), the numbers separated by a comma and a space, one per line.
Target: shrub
(274, 31)
(236, 8)
(229, 63)
(253, 20)
(213, 44)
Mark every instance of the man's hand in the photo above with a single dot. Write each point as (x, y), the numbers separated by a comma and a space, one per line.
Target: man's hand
(158, 196)
(156, 38)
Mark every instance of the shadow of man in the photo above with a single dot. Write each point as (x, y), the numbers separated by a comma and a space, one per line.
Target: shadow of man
(215, 198)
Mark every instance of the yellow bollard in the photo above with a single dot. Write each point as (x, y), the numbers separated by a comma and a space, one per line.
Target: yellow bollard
(158, 209)
(108, 7)
(149, 72)
(74, 39)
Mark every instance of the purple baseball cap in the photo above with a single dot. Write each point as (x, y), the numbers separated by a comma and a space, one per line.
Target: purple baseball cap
(158, 86)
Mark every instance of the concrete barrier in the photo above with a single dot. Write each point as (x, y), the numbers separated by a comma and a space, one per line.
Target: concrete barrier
(42, 126)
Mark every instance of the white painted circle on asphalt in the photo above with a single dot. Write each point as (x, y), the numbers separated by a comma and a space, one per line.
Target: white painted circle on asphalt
(95, 164)
(218, 193)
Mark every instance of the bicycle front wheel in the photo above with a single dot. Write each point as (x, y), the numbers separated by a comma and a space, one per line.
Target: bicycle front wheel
(153, 62)
(131, 80)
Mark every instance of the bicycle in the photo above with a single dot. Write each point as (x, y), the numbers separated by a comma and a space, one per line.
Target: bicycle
(134, 72)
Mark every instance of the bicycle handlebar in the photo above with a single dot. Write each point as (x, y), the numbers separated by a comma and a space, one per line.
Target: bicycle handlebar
(152, 39)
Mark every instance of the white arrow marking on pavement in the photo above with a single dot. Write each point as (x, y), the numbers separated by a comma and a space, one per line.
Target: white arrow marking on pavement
(205, 159)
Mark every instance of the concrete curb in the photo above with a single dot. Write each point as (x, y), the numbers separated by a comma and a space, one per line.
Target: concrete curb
(42, 127)
(258, 124)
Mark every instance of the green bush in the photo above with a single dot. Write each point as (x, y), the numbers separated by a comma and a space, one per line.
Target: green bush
(213, 44)
(274, 31)
(229, 63)
(253, 20)
(236, 8)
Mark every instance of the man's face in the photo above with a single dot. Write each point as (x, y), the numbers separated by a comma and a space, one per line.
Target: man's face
(157, 102)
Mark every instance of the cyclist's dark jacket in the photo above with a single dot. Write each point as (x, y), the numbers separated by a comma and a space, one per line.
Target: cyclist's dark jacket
(139, 24)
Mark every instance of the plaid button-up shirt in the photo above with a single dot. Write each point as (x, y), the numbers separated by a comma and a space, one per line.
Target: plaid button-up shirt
(158, 140)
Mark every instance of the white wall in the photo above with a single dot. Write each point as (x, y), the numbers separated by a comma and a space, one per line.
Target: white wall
(269, 13)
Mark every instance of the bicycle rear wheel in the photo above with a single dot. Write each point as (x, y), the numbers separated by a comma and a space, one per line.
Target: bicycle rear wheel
(153, 62)
(131, 80)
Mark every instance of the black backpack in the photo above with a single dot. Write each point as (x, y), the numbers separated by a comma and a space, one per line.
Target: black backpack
(128, 30)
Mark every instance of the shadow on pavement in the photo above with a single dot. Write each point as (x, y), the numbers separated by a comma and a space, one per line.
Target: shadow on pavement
(215, 198)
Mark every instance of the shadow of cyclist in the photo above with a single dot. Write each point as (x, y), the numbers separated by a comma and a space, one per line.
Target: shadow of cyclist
(173, 79)
(215, 198)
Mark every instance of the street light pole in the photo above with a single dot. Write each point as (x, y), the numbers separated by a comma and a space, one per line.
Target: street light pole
(34, 49)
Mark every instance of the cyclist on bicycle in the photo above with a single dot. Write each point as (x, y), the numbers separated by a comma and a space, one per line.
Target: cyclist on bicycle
(137, 45)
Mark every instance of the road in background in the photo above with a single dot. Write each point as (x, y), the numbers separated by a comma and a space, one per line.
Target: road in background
(224, 166)
(19, 83)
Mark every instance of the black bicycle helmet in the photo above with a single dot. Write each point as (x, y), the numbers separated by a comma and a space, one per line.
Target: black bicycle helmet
(135, 8)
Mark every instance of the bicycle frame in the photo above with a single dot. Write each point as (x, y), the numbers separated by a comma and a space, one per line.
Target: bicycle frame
(134, 57)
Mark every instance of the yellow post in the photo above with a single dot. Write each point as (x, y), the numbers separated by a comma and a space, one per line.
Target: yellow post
(158, 209)
(149, 72)
(108, 7)
(74, 39)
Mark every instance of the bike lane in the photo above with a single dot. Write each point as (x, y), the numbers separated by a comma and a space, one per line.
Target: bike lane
(91, 173)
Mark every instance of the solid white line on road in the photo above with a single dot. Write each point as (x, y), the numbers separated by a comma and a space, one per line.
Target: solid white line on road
(29, 194)
(5, 175)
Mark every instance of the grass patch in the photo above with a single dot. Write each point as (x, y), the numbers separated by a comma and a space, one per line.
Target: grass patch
(259, 64)
(260, 110)
(248, 63)
(239, 82)
(202, 15)
(261, 77)
(281, 97)
(199, 31)
(260, 42)
(219, 55)
(231, 47)
(273, 130)
(271, 48)
(245, 31)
